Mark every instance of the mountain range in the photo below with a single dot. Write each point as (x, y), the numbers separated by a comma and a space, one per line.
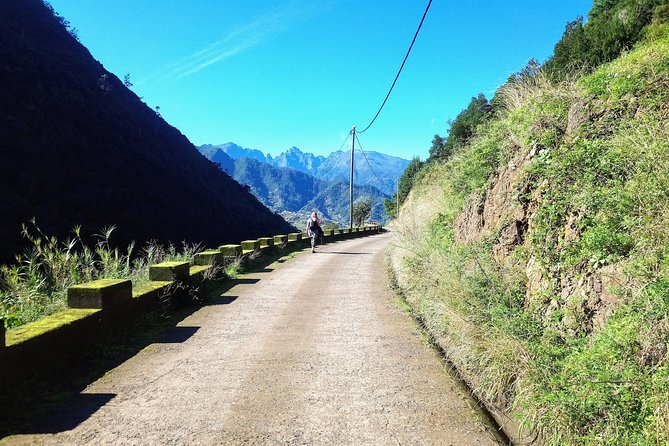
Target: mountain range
(295, 182)
(79, 148)
(371, 169)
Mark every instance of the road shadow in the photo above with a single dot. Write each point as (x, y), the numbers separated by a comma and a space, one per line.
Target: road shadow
(263, 270)
(54, 419)
(344, 253)
(222, 300)
(177, 335)
(243, 281)
(53, 400)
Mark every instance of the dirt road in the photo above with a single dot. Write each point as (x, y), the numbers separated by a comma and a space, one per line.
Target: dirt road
(313, 351)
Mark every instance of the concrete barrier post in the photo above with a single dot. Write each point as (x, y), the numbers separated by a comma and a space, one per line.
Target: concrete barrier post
(103, 293)
(169, 272)
(280, 239)
(294, 237)
(266, 242)
(210, 257)
(250, 246)
(231, 250)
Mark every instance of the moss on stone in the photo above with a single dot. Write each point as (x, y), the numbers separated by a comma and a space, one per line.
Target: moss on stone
(266, 241)
(150, 287)
(294, 236)
(47, 324)
(198, 269)
(101, 283)
(250, 245)
(101, 293)
(169, 271)
(231, 250)
(280, 239)
(210, 257)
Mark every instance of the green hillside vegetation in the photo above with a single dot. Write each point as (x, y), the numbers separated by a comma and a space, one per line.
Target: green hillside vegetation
(534, 247)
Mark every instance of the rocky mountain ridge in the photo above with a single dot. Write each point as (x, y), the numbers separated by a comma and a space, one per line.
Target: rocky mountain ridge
(377, 170)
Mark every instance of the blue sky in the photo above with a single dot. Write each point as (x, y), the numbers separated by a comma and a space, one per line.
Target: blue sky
(270, 75)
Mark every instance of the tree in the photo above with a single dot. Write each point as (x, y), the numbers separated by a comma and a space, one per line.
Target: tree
(462, 128)
(613, 26)
(437, 146)
(408, 176)
(390, 207)
(361, 210)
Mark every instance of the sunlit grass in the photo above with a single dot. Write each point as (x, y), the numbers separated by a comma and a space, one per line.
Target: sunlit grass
(36, 284)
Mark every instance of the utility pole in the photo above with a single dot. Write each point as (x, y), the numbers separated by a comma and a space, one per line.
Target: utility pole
(350, 189)
(397, 201)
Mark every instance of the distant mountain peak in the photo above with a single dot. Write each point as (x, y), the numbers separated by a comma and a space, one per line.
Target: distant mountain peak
(334, 167)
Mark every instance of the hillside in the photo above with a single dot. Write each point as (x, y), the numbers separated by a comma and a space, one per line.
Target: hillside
(333, 202)
(282, 189)
(296, 194)
(535, 249)
(78, 147)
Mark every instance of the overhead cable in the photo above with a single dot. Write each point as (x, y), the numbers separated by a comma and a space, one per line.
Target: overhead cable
(343, 143)
(400, 70)
(368, 163)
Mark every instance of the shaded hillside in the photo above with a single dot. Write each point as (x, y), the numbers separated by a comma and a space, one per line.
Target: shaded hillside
(333, 202)
(295, 194)
(282, 189)
(234, 151)
(78, 147)
(219, 157)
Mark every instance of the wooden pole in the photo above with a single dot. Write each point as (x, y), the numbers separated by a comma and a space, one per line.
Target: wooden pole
(351, 180)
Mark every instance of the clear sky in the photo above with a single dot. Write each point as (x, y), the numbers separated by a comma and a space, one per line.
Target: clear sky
(270, 75)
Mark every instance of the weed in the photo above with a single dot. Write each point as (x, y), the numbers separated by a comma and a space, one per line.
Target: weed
(36, 285)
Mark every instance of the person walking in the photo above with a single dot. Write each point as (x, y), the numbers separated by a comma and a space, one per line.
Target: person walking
(314, 229)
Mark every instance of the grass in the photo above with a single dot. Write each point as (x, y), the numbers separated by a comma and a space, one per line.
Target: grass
(36, 285)
(530, 330)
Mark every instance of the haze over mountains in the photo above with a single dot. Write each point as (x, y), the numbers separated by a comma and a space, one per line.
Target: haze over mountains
(295, 182)
(79, 148)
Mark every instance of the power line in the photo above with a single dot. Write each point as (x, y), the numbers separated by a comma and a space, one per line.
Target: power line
(368, 163)
(342, 144)
(401, 67)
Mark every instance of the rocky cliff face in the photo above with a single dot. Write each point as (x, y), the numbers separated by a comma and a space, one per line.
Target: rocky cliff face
(505, 215)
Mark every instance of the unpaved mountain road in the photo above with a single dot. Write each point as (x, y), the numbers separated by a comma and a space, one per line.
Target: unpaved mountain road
(313, 351)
